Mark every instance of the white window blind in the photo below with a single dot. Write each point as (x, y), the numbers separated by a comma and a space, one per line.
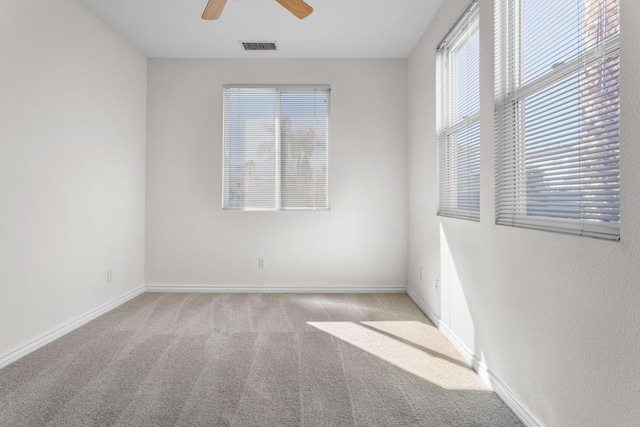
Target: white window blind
(558, 116)
(276, 148)
(458, 119)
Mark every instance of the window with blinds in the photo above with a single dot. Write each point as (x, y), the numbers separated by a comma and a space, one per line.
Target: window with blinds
(558, 116)
(458, 119)
(276, 148)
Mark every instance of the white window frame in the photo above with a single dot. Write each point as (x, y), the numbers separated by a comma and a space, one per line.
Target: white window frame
(447, 126)
(511, 91)
(278, 182)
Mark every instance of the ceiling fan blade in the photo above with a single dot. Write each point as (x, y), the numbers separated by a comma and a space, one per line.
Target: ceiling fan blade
(297, 7)
(213, 9)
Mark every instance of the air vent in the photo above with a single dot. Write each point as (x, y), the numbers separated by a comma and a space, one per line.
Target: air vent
(259, 45)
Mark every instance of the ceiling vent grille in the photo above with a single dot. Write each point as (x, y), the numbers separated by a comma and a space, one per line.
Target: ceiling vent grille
(259, 45)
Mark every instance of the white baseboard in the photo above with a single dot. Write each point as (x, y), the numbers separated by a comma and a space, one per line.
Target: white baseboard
(277, 289)
(513, 402)
(21, 351)
(425, 309)
(489, 378)
(472, 360)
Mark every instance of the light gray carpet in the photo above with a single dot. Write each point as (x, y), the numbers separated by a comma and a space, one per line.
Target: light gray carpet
(251, 360)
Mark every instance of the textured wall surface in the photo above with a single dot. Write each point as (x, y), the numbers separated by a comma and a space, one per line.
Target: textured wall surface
(72, 166)
(555, 317)
(361, 241)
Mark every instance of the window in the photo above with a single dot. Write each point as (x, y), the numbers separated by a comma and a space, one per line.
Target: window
(276, 148)
(558, 116)
(458, 117)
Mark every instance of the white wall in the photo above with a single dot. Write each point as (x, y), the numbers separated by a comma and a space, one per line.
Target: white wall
(555, 317)
(361, 241)
(72, 166)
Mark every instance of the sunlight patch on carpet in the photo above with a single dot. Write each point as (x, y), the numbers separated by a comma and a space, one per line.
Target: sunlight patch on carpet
(437, 365)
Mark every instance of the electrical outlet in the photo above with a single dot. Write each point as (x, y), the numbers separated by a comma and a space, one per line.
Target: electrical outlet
(421, 273)
(261, 263)
(109, 276)
(437, 284)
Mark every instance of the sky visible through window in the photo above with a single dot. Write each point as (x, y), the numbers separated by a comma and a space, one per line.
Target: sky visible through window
(467, 85)
(552, 34)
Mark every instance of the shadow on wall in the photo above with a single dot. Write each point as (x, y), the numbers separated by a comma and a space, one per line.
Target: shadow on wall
(455, 311)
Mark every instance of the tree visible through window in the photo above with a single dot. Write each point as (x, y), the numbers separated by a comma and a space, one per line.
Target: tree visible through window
(276, 148)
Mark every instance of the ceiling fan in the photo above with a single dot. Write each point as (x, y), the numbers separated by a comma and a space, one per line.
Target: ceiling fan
(298, 7)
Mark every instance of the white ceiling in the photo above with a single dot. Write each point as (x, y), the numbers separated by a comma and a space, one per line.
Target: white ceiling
(335, 29)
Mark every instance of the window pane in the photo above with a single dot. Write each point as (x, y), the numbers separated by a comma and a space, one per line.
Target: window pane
(572, 146)
(552, 152)
(552, 34)
(305, 143)
(466, 85)
(555, 32)
(463, 159)
(459, 179)
(250, 156)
